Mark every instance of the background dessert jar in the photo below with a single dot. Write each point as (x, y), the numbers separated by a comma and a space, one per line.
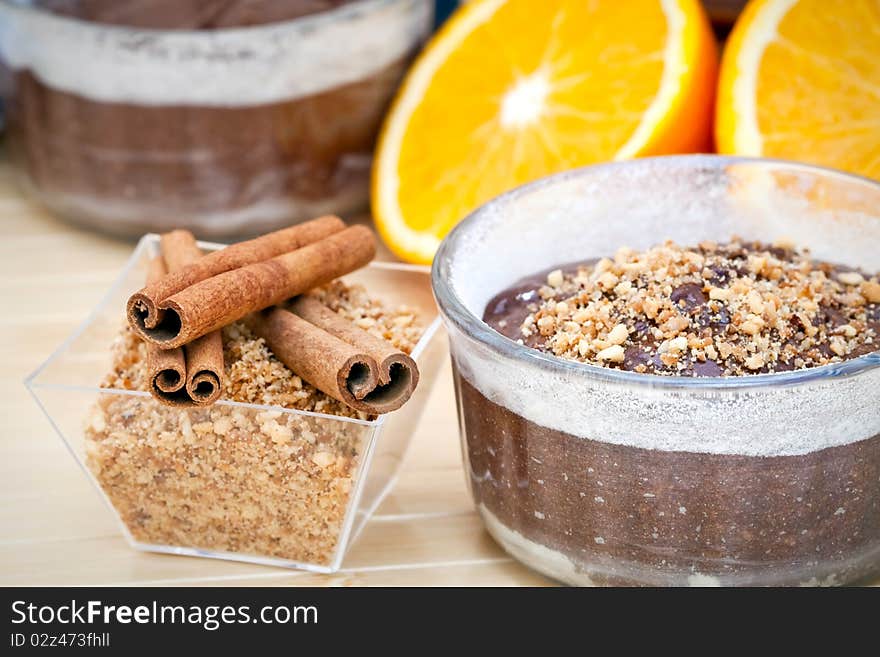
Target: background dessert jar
(595, 475)
(227, 118)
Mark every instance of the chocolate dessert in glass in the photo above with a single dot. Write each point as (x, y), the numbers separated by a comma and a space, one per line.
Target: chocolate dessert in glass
(668, 372)
(226, 118)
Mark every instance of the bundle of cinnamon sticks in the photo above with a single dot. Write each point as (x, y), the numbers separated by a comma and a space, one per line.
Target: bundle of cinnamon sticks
(189, 297)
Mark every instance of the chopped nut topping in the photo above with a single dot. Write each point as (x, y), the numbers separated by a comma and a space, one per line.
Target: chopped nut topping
(754, 362)
(554, 278)
(618, 334)
(871, 291)
(850, 277)
(677, 345)
(711, 310)
(613, 353)
(608, 280)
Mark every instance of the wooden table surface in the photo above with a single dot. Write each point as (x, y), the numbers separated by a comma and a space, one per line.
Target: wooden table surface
(55, 530)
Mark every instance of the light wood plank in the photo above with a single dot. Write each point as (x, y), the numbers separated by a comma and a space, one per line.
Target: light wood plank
(501, 572)
(107, 559)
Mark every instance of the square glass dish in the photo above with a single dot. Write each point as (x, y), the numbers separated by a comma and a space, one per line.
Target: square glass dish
(246, 482)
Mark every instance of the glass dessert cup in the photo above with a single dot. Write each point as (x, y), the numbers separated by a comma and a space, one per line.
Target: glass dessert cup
(231, 124)
(234, 485)
(600, 476)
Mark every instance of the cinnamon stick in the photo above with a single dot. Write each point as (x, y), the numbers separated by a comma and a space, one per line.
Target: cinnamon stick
(331, 365)
(204, 356)
(395, 367)
(166, 368)
(362, 371)
(204, 368)
(143, 306)
(222, 299)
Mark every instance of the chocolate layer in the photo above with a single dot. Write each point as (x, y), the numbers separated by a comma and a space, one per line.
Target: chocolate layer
(625, 515)
(193, 165)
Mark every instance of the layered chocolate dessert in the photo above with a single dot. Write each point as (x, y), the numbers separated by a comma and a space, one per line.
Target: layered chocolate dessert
(228, 118)
(661, 481)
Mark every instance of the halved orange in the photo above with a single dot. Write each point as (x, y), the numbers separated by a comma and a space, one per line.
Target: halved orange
(509, 91)
(800, 80)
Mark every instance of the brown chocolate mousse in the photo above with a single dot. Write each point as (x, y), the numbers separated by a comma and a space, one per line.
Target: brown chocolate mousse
(613, 506)
(219, 170)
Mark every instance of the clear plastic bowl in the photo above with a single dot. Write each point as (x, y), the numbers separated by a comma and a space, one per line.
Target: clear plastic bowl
(600, 476)
(227, 131)
(211, 498)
